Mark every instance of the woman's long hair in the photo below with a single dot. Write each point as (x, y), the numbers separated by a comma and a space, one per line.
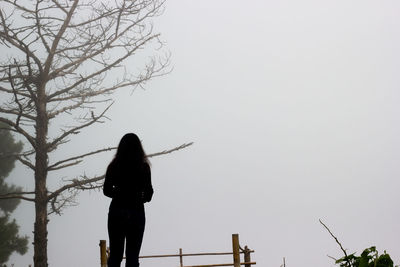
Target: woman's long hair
(130, 151)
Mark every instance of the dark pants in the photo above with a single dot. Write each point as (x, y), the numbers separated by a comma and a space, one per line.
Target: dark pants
(125, 224)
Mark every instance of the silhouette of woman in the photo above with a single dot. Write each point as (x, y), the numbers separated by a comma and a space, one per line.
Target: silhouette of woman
(128, 183)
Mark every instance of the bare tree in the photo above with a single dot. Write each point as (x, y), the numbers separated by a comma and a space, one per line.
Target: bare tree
(56, 55)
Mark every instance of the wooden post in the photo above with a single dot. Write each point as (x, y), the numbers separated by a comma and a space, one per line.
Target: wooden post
(180, 257)
(235, 248)
(103, 253)
(247, 256)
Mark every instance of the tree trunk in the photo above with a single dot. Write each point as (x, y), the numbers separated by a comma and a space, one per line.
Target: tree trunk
(41, 194)
(40, 234)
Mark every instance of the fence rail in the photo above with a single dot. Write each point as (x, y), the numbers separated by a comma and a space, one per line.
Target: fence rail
(236, 251)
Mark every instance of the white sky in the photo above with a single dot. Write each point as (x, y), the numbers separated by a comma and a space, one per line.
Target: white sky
(293, 108)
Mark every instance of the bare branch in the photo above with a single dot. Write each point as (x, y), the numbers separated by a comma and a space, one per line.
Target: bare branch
(77, 159)
(76, 129)
(7, 155)
(15, 42)
(18, 195)
(53, 166)
(332, 258)
(14, 3)
(39, 28)
(9, 91)
(78, 104)
(170, 150)
(150, 72)
(19, 130)
(56, 205)
(60, 33)
(60, 6)
(14, 112)
(97, 73)
(76, 162)
(61, 200)
(337, 241)
(19, 114)
(26, 162)
(77, 184)
(86, 183)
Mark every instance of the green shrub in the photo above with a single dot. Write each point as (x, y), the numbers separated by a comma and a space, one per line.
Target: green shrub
(368, 258)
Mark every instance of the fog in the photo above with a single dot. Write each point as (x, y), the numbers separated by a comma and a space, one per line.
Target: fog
(293, 110)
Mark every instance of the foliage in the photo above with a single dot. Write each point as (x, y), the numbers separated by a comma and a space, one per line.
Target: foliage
(8, 148)
(368, 258)
(10, 241)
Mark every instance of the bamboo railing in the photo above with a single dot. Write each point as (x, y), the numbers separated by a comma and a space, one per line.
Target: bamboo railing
(236, 251)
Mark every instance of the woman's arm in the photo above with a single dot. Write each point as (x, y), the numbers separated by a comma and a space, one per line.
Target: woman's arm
(148, 188)
(108, 187)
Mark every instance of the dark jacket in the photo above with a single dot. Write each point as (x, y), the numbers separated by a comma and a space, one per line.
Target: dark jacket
(128, 184)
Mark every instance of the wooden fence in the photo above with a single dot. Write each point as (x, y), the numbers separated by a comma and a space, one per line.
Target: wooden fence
(236, 251)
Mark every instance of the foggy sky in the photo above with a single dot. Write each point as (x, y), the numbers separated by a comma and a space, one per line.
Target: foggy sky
(293, 110)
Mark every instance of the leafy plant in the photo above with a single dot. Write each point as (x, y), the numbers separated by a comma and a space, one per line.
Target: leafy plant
(368, 258)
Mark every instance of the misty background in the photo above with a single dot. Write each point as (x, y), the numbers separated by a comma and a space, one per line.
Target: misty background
(293, 110)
